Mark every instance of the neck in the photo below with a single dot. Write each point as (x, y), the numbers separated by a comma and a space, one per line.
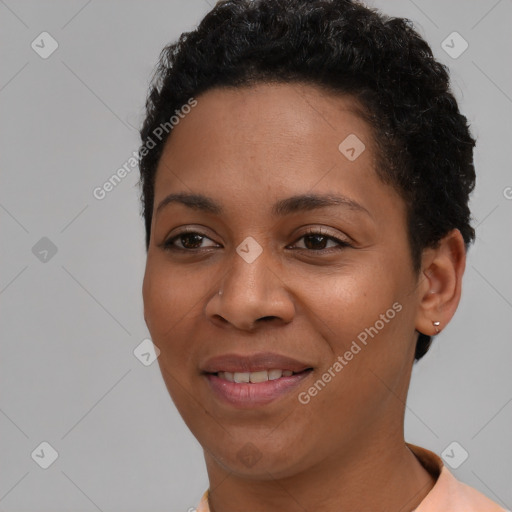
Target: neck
(379, 477)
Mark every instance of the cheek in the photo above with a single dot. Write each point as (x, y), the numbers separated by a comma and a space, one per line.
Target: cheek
(167, 304)
(169, 296)
(351, 301)
(160, 299)
(167, 309)
(365, 320)
(174, 297)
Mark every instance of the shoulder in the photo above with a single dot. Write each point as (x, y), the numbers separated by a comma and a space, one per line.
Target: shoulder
(448, 493)
(203, 503)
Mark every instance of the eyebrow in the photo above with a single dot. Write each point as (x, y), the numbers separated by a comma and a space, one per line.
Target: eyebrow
(294, 204)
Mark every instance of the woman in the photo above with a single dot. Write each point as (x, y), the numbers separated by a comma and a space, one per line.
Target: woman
(307, 224)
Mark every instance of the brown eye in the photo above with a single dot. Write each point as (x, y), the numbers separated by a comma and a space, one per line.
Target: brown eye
(190, 241)
(317, 240)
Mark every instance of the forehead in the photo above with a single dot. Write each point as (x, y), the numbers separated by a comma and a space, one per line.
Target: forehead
(270, 115)
(250, 147)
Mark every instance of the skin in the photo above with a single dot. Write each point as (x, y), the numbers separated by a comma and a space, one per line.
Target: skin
(344, 450)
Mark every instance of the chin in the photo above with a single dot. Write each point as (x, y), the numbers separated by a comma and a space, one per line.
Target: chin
(258, 460)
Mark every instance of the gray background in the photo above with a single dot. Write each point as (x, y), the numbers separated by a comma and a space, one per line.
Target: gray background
(70, 324)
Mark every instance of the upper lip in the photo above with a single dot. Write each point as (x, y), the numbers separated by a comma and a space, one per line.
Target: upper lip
(252, 363)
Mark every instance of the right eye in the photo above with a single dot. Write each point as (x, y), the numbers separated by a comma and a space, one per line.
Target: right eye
(187, 238)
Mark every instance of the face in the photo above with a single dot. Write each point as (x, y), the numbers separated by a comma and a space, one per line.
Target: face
(326, 291)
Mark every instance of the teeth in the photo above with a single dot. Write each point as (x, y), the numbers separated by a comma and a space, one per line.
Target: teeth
(258, 376)
(274, 374)
(255, 377)
(241, 377)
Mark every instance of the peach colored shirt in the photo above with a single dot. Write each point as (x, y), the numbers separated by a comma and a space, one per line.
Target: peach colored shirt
(447, 495)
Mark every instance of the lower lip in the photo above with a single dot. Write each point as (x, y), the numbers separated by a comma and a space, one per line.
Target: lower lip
(248, 395)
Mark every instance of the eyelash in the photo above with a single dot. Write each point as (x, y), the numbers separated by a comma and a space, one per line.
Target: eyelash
(168, 244)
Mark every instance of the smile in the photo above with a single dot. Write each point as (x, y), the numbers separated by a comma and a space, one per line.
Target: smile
(254, 377)
(248, 390)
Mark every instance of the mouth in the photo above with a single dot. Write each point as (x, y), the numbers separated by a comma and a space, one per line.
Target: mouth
(250, 390)
(251, 380)
(256, 377)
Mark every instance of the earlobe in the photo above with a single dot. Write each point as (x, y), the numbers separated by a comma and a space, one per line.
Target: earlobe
(440, 288)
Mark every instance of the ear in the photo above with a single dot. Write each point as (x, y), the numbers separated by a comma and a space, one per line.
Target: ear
(440, 283)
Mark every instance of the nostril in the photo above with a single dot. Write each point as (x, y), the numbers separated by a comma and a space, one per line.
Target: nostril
(266, 318)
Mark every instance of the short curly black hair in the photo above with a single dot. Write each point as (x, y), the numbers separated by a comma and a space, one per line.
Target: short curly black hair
(424, 143)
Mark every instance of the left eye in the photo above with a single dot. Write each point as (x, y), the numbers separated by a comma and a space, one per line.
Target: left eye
(319, 238)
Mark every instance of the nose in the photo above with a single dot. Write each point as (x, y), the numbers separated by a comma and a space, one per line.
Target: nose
(252, 293)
